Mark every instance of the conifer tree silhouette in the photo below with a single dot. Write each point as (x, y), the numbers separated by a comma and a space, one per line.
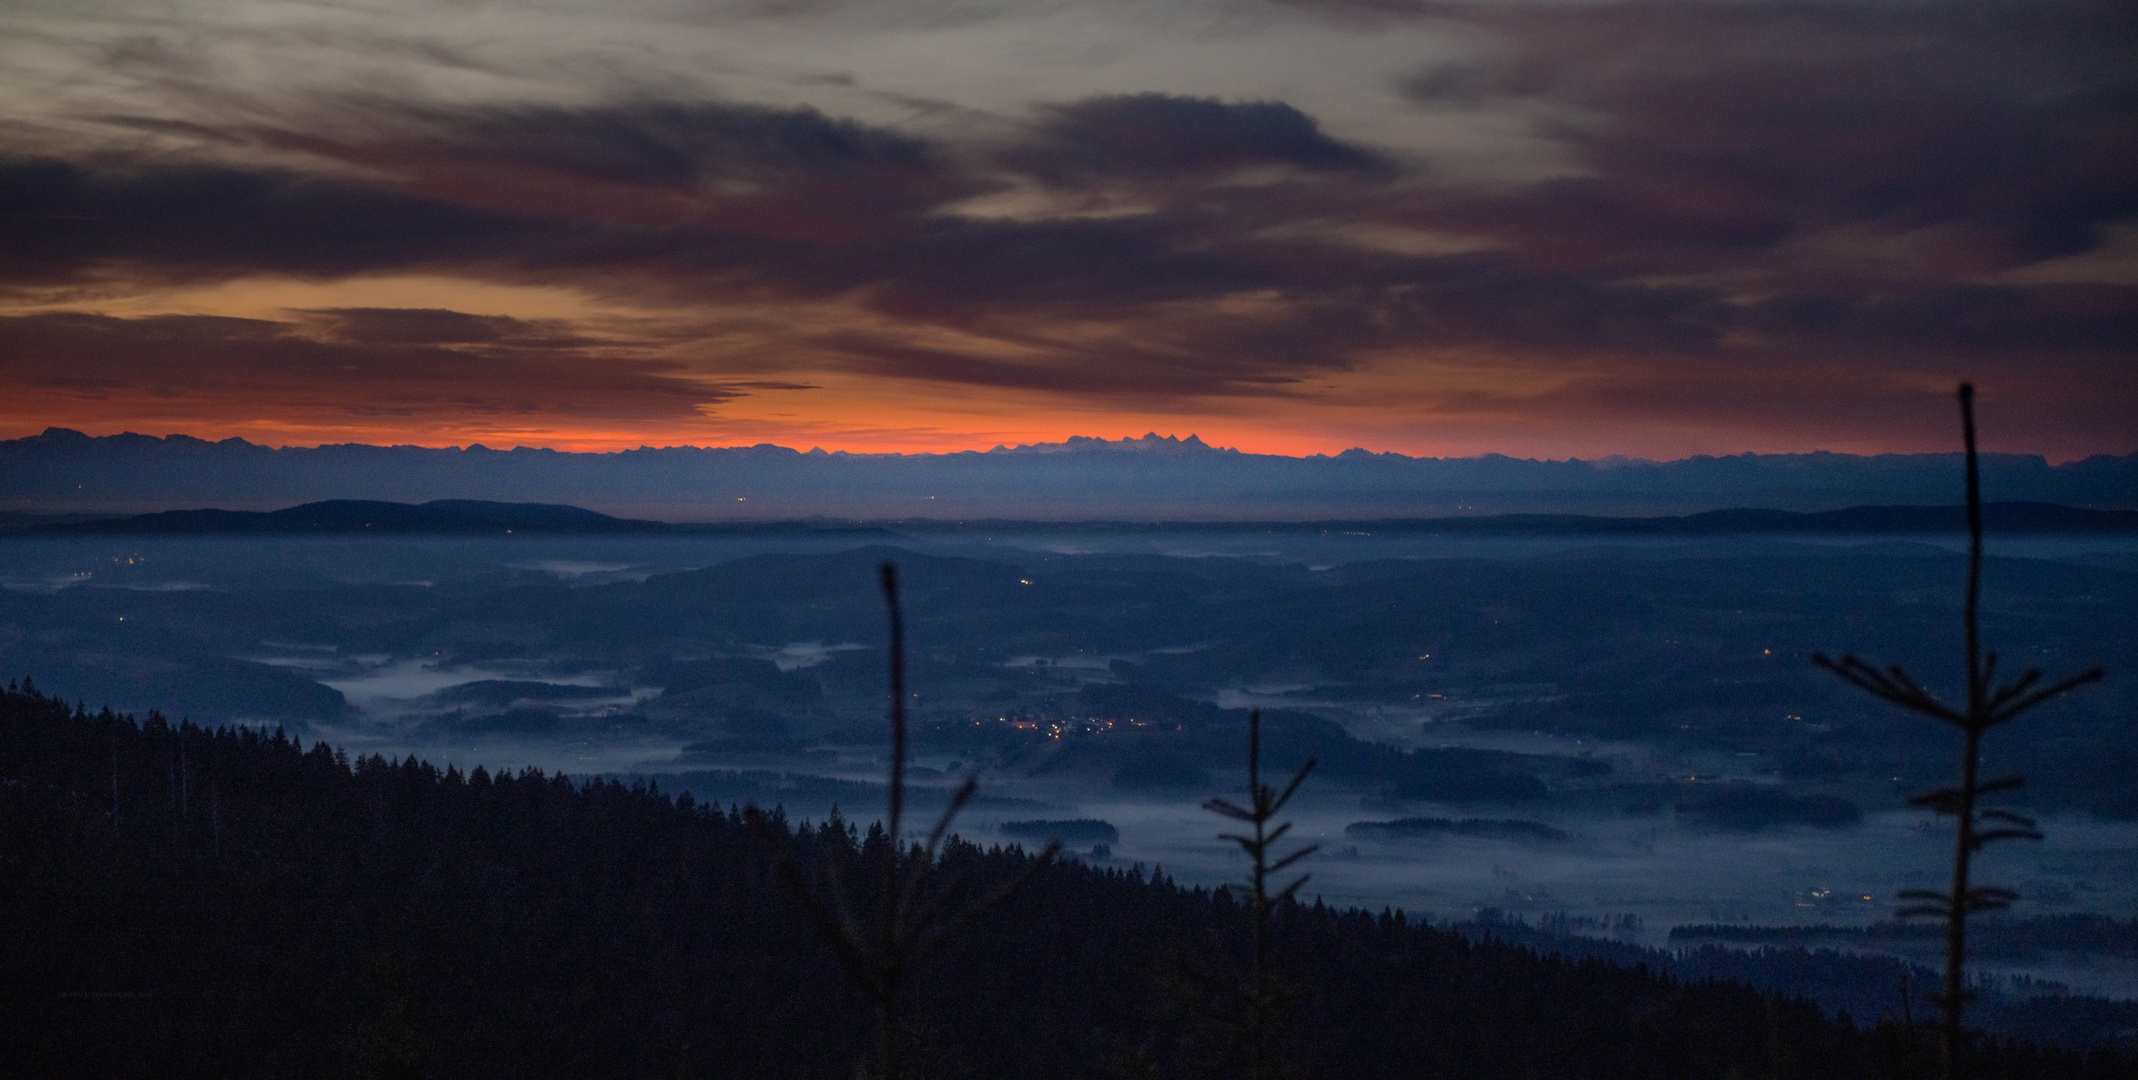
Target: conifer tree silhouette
(1265, 1000)
(917, 905)
(1988, 705)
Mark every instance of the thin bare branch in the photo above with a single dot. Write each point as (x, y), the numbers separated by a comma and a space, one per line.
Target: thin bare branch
(958, 799)
(1294, 857)
(1294, 785)
(2092, 675)
(2020, 820)
(933, 938)
(830, 918)
(2014, 688)
(1892, 685)
(1289, 891)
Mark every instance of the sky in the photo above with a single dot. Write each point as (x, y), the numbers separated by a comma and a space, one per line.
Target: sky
(1651, 228)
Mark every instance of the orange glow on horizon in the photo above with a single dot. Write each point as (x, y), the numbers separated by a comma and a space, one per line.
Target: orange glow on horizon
(804, 438)
(593, 375)
(918, 440)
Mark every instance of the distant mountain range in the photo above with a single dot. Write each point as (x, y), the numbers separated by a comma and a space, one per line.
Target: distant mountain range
(474, 517)
(1150, 479)
(2006, 517)
(353, 516)
(439, 517)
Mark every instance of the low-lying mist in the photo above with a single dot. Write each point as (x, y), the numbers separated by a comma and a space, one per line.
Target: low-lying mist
(1618, 738)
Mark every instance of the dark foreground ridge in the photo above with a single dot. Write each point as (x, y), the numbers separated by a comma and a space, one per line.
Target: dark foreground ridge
(195, 902)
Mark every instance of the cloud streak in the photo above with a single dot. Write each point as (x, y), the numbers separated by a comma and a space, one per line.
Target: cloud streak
(1718, 200)
(355, 369)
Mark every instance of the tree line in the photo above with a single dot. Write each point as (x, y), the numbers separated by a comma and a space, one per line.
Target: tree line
(192, 901)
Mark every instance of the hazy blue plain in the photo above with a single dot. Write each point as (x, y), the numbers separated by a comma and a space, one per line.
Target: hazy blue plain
(1656, 866)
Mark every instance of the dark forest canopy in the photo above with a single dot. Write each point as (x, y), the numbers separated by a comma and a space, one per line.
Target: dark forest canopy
(225, 902)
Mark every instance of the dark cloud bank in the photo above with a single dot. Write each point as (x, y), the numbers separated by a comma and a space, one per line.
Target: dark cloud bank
(1770, 223)
(1751, 194)
(1084, 479)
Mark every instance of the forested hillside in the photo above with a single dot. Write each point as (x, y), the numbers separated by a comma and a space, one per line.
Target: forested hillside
(195, 902)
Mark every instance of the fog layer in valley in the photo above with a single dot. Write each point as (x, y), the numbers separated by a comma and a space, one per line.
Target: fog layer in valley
(1563, 731)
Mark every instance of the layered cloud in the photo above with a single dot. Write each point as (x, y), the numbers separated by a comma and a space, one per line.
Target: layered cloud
(1685, 216)
(1169, 138)
(1894, 140)
(354, 370)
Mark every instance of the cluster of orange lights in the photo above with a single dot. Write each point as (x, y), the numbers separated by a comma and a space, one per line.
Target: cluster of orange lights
(1055, 729)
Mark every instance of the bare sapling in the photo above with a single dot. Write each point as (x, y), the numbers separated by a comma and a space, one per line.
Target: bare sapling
(918, 906)
(1988, 705)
